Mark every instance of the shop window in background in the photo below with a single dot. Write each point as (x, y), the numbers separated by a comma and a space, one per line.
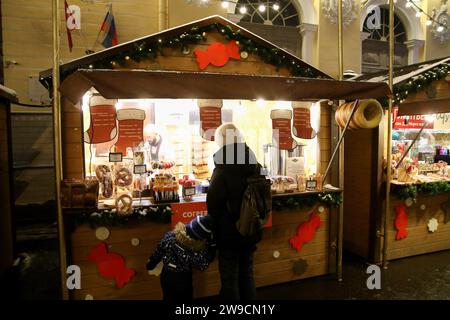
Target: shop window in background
(428, 156)
(132, 145)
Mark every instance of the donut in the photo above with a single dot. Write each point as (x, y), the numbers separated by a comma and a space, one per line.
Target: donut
(101, 172)
(123, 177)
(124, 205)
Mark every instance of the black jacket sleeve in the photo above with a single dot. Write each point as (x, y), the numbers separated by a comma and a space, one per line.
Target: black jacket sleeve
(216, 195)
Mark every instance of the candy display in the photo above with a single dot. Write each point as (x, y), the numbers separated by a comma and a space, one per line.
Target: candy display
(188, 187)
(165, 187)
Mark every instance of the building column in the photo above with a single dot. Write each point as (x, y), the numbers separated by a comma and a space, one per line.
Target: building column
(414, 47)
(308, 32)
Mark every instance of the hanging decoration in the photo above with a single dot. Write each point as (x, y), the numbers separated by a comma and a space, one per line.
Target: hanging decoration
(306, 231)
(210, 117)
(217, 54)
(111, 265)
(301, 127)
(432, 225)
(349, 11)
(401, 221)
(333, 200)
(102, 120)
(440, 27)
(131, 129)
(281, 129)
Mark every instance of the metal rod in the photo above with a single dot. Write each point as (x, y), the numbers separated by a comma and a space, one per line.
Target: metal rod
(412, 143)
(389, 132)
(338, 147)
(341, 138)
(340, 42)
(57, 146)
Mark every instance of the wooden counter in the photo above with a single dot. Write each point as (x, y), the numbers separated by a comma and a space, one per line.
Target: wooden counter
(319, 254)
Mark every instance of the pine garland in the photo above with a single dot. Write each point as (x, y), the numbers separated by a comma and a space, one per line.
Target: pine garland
(411, 191)
(332, 200)
(111, 218)
(150, 50)
(417, 83)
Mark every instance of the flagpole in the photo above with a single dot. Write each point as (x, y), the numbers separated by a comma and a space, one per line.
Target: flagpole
(389, 133)
(57, 146)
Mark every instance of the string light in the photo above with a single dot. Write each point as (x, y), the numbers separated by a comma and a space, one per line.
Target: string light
(430, 20)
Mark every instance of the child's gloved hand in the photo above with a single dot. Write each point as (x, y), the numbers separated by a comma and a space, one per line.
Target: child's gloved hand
(157, 270)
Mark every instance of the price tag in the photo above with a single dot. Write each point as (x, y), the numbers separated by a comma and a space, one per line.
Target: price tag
(140, 169)
(189, 191)
(115, 157)
(311, 184)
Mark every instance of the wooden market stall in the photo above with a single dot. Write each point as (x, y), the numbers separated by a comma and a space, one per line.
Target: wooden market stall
(166, 65)
(6, 181)
(419, 90)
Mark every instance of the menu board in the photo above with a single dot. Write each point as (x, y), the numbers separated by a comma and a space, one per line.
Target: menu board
(131, 128)
(210, 119)
(103, 124)
(282, 133)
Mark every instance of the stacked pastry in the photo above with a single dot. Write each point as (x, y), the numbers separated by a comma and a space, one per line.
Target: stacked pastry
(200, 158)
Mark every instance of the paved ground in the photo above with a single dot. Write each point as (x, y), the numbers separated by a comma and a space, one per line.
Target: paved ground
(420, 277)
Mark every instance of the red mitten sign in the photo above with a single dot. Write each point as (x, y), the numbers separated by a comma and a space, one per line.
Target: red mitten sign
(306, 232)
(401, 221)
(281, 129)
(103, 120)
(111, 265)
(217, 54)
(210, 117)
(131, 128)
(302, 120)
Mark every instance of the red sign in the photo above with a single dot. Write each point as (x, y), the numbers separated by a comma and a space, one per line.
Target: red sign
(282, 127)
(186, 211)
(103, 124)
(409, 122)
(210, 119)
(131, 128)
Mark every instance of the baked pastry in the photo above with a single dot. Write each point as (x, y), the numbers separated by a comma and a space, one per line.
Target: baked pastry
(123, 177)
(101, 172)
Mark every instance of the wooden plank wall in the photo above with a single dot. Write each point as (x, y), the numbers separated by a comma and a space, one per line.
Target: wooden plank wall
(6, 240)
(357, 190)
(72, 146)
(419, 239)
(324, 137)
(267, 269)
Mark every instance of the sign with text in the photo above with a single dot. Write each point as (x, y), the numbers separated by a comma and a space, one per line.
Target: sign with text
(103, 124)
(210, 119)
(186, 211)
(408, 122)
(131, 128)
(282, 133)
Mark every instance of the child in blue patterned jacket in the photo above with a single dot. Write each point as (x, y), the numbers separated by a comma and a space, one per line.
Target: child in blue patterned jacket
(185, 247)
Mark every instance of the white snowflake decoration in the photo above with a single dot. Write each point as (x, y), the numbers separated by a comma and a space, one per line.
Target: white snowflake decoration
(432, 225)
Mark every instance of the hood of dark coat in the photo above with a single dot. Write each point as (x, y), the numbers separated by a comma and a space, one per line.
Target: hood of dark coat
(236, 159)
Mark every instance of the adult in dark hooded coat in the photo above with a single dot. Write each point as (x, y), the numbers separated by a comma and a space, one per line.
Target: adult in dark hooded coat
(234, 163)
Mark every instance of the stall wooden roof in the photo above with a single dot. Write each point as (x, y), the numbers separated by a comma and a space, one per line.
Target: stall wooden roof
(425, 101)
(8, 93)
(83, 62)
(121, 84)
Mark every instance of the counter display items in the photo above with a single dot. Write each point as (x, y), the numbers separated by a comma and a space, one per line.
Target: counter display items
(149, 141)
